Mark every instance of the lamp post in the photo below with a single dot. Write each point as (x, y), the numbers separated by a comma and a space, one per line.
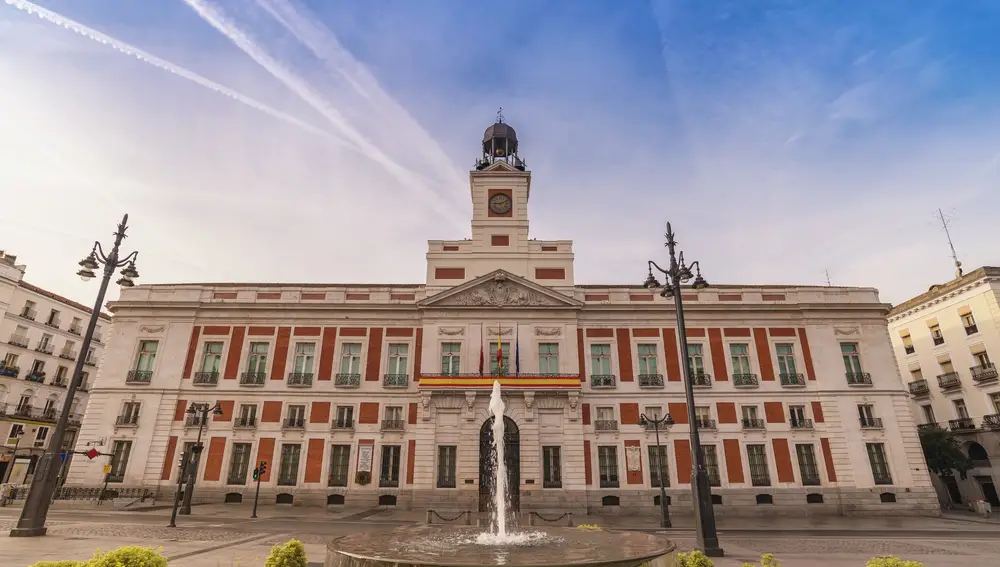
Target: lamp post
(13, 455)
(664, 421)
(43, 485)
(201, 412)
(676, 274)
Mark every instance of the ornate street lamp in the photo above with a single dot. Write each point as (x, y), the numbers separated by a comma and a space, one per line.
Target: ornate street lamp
(661, 472)
(43, 485)
(201, 413)
(676, 274)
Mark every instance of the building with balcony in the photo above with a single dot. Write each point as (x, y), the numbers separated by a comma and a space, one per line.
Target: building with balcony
(40, 337)
(365, 395)
(944, 340)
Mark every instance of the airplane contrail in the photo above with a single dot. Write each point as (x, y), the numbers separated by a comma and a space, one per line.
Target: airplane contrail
(324, 44)
(214, 17)
(145, 57)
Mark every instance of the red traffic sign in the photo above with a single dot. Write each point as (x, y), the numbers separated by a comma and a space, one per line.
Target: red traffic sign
(92, 453)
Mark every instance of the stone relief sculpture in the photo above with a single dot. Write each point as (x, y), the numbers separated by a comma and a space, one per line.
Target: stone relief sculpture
(501, 293)
(846, 331)
(451, 331)
(154, 330)
(548, 331)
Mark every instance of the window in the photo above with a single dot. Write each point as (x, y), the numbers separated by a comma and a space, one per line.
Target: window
(345, 417)
(16, 430)
(41, 434)
(600, 360)
(928, 413)
(258, 358)
(248, 415)
(548, 358)
(288, 470)
(74, 326)
(91, 354)
(711, 459)
(969, 322)
(350, 359)
(797, 416)
(879, 463)
(749, 413)
(947, 367)
(605, 413)
(995, 400)
(84, 376)
(936, 335)
(757, 458)
(739, 353)
(239, 464)
(119, 460)
(647, 359)
(551, 467)
(696, 360)
(653, 412)
(658, 469)
(147, 356)
(212, 358)
(916, 374)
(389, 475)
(29, 310)
(866, 412)
(982, 359)
(130, 413)
(296, 416)
(305, 355)
(61, 373)
(786, 358)
(960, 410)
(607, 459)
(703, 414)
(340, 462)
(24, 402)
(451, 359)
(53, 319)
(10, 359)
(37, 367)
(398, 356)
(494, 366)
(45, 342)
(50, 406)
(446, 466)
(394, 413)
(908, 347)
(852, 358)
(808, 469)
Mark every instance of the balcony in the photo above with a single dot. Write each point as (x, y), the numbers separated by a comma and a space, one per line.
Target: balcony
(45, 348)
(923, 426)
(919, 388)
(53, 322)
(36, 376)
(18, 340)
(300, 379)
(29, 314)
(395, 380)
(22, 411)
(792, 380)
(991, 422)
(347, 380)
(245, 422)
(701, 379)
(193, 421)
(127, 421)
(753, 424)
(68, 354)
(392, 425)
(48, 414)
(252, 378)
(113, 478)
(90, 361)
(139, 377)
(909, 349)
(75, 329)
(293, 423)
(61, 382)
(858, 379)
(650, 426)
(984, 373)
(98, 338)
(801, 423)
(870, 422)
(83, 387)
(205, 379)
(949, 381)
(342, 425)
(651, 380)
(962, 424)
(938, 341)
(602, 381)
(605, 425)
(972, 329)
(704, 423)
(745, 380)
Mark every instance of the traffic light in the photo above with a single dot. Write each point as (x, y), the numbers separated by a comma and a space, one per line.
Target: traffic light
(263, 468)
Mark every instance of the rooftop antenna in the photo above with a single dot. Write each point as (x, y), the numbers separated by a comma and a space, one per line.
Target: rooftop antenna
(828, 282)
(954, 255)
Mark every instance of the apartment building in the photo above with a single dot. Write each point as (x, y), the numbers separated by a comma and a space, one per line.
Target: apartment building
(41, 334)
(364, 395)
(943, 340)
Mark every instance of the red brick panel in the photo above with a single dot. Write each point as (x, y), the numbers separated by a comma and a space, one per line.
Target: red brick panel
(730, 297)
(314, 295)
(411, 414)
(646, 333)
(673, 356)
(354, 332)
(179, 410)
(213, 464)
(624, 356)
(233, 356)
(696, 332)
(734, 460)
(586, 414)
(192, 349)
(399, 332)
(807, 354)
(373, 366)
(783, 460)
(168, 460)
(588, 475)
(597, 297)
(449, 273)
(268, 295)
(640, 297)
(368, 412)
(308, 331)
(411, 449)
(224, 295)
(772, 296)
(314, 461)
(226, 407)
(629, 413)
(726, 411)
(601, 333)
(418, 357)
(633, 477)
(260, 332)
(320, 412)
(499, 240)
(831, 472)
(357, 296)
(678, 411)
(280, 353)
(718, 355)
(736, 332)
(817, 412)
(774, 412)
(781, 332)
(764, 354)
(216, 330)
(328, 344)
(682, 456)
(581, 356)
(265, 453)
(550, 273)
(271, 412)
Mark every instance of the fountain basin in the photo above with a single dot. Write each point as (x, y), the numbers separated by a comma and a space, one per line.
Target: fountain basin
(450, 546)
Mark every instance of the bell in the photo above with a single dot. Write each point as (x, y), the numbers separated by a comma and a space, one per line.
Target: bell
(499, 152)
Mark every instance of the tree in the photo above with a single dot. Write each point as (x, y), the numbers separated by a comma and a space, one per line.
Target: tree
(943, 452)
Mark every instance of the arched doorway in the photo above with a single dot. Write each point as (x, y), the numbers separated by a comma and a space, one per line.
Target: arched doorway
(981, 461)
(487, 466)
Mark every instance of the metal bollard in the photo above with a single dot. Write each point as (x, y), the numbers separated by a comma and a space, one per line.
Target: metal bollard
(531, 518)
(430, 519)
(570, 521)
(468, 517)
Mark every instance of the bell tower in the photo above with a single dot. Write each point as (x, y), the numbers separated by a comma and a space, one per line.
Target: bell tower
(500, 187)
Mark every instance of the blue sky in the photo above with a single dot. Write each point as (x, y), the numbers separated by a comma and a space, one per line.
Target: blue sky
(781, 138)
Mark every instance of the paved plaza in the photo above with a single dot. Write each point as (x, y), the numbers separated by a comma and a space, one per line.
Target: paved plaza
(223, 536)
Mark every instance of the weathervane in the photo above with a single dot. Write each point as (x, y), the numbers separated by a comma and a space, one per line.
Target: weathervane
(500, 116)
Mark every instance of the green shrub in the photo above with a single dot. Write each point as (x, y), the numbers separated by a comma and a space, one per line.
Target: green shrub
(693, 559)
(890, 561)
(766, 560)
(291, 554)
(128, 556)
(63, 563)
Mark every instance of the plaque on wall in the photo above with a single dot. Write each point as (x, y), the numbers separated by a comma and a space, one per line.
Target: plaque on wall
(365, 458)
(633, 458)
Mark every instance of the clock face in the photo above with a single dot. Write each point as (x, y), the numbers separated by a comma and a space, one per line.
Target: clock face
(500, 204)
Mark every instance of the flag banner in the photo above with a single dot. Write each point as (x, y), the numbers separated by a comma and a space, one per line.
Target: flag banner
(517, 351)
(482, 357)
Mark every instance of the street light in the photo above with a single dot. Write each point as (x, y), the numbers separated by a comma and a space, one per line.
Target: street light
(43, 485)
(192, 470)
(665, 421)
(13, 454)
(678, 273)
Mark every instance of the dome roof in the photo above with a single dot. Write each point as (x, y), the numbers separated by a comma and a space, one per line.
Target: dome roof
(500, 130)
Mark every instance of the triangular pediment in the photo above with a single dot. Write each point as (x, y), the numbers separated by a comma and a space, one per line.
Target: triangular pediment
(500, 289)
(500, 165)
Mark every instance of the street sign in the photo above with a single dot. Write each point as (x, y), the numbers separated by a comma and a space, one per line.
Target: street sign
(107, 469)
(92, 453)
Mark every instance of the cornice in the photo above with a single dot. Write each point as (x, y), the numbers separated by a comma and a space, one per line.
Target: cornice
(905, 310)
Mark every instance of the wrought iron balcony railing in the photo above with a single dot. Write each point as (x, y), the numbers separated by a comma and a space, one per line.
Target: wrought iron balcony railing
(252, 378)
(949, 380)
(90, 361)
(130, 420)
(753, 424)
(801, 423)
(36, 376)
(61, 382)
(858, 379)
(919, 388)
(882, 478)
(810, 479)
(18, 340)
(245, 422)
(701, 379)
(68, 354)
(605, 425)
(342, 424)
(972, 329)
(602, 380)
(793, 379)
(29, 314)
(343, 380)
(745, 380)
(395, 380)
(984, 373)
(392, 425)
(45, 348)
(704, 423)
(206, 379)
(870, 422)
(53, 322)
(193, 421)
(962, 424)
(294, 423)
(991, 421)
(909, 349)
(300, 379)
(139, 377)
(930, 425)
(75, 329)
(651, 380)
(115, 478)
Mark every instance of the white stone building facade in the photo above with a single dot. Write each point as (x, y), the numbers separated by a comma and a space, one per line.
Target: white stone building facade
(362, 395)
(40, 337)
(944, 340)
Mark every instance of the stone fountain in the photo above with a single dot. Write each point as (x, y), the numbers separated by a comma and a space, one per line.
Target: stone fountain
(451, 546)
